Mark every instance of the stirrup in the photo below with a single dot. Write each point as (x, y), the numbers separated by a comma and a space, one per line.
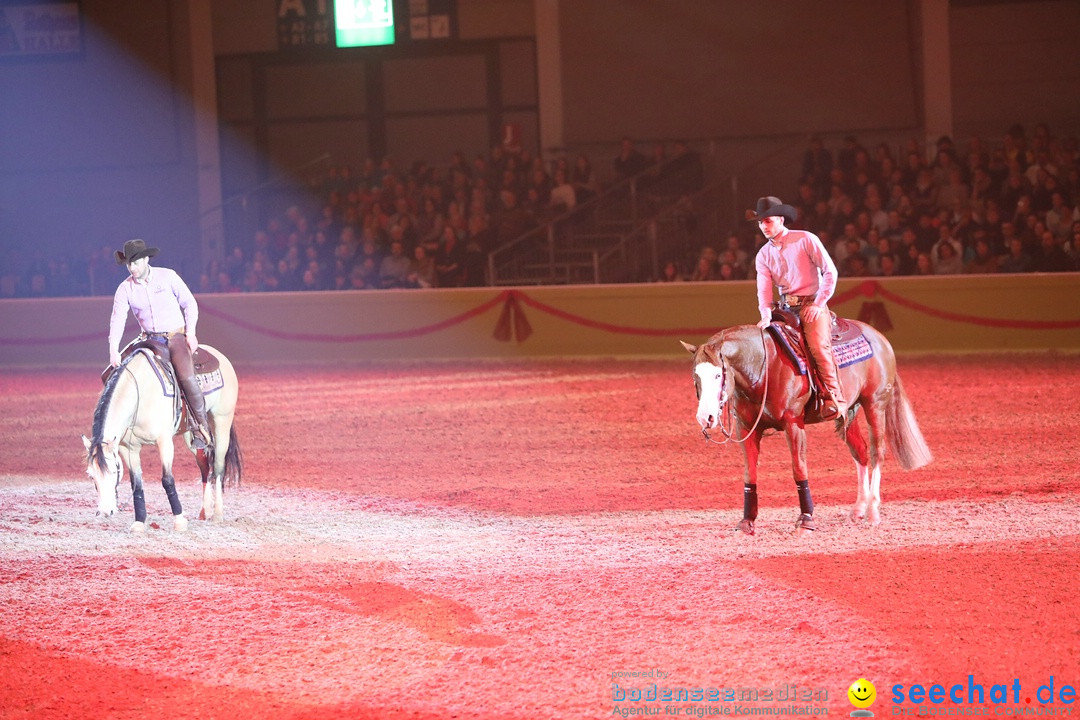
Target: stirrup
(201, 439)
(829, 410)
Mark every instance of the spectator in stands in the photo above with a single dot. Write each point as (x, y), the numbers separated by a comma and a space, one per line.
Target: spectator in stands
(422, 269)
(562, 197)
(876, 246)
(954, 261)
(474, 261)
(538, 189)
(1017, 259)
(395, 268)
(946, 259)
(1072, 246)
(984, 261)
(706, 269)
(584, 179)
(875, 211)
(671, 272)
(1052, 256)
(450, 258)
(923, 265)
(888, 266)
(737, 255)
(629, 162)
(511, 220)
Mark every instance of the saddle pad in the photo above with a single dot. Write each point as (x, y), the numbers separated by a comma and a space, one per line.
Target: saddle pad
(209, 382)
(848, 347)
(852, 351)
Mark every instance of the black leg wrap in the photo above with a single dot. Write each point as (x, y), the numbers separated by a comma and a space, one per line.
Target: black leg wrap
(138, 500)
(749, 501)
(806, 504)
(169, 484)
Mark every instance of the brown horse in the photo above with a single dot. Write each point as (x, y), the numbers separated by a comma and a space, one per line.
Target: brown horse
(746, 383)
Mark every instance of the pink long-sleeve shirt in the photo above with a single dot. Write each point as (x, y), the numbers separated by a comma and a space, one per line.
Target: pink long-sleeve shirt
(161, 303)
(796, 263)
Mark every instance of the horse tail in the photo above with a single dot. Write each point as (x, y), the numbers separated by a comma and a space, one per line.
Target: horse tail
(906, 440)
(234, 460)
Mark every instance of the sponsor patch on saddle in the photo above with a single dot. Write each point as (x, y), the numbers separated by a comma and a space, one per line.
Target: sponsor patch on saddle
(210, 381)
(852, 351)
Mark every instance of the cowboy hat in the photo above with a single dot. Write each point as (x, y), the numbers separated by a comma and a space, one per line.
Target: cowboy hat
(133, 250)
(769, 206)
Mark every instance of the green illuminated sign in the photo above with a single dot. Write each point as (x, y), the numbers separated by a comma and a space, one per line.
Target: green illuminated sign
(364, 22)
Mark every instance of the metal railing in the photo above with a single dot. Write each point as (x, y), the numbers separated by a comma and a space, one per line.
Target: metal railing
(622, 235)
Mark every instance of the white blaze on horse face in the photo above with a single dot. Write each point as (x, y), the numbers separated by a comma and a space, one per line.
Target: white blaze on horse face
(709, 380)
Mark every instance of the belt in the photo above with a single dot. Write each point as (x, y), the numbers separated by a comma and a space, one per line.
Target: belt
(796, 300)
(167, 335)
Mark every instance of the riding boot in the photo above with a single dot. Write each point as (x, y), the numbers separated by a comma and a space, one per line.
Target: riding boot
(184, 366)
(819, 342)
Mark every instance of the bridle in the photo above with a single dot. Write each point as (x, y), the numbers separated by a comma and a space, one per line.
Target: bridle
(119, 472)
(726, 413)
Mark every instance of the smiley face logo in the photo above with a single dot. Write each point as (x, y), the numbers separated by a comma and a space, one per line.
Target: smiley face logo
(862, 693)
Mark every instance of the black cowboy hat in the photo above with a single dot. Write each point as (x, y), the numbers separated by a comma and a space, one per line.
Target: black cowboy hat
(133, 250)
(769, 206)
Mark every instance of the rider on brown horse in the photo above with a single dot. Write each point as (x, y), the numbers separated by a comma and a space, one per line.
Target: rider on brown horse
(796, 264)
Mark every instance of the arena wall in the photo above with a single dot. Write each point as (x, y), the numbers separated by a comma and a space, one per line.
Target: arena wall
(919, 315)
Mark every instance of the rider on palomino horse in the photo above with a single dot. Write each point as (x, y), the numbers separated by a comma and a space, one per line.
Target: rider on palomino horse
(798, 266)
(167, 314)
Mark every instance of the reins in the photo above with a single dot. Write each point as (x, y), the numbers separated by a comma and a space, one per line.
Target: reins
(726, 408)
(138, 396)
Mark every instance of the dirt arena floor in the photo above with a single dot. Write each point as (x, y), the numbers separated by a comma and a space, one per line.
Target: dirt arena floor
(535, 539)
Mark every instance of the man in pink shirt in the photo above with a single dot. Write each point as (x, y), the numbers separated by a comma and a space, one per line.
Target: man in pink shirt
(167, 314)
(796, 264)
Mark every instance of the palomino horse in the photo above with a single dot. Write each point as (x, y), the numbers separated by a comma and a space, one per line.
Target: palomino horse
(139, 407)
(747, 384)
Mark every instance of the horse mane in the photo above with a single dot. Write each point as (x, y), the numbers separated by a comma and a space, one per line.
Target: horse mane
(96, 456)
(737, 337)
(102, 409)
(105, 400)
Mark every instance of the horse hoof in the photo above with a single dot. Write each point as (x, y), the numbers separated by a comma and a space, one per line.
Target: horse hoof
(746, 526)
(180, 523)
(138, 527)
(805, 522)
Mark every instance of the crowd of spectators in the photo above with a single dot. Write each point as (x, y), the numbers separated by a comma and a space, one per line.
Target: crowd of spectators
(422, 227)
(1011, 208)
(1014, 207)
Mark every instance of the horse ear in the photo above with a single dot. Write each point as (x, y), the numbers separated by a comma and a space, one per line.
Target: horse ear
(689, 348)
(86, 443)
